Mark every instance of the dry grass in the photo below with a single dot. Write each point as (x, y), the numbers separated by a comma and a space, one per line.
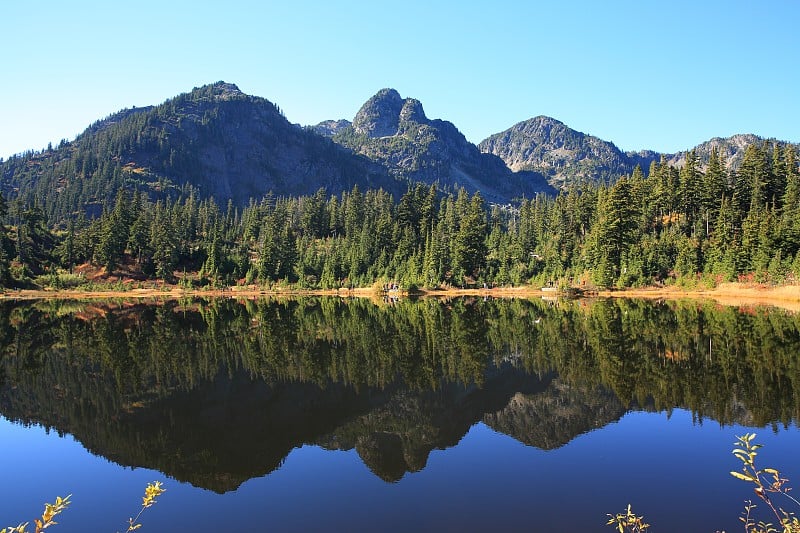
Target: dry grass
(730, 294)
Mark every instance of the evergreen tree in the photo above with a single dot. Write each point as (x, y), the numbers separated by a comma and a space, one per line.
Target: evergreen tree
(114, 233)
(690, 189)
(751, 180)
(68, 248)
(789, 225)
(715, 186)
(469, 246)
(616, 227)
(5, 276)
(162, 242)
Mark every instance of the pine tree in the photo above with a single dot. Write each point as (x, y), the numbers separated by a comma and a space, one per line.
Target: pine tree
(789, 225)
(162, 242)
(469, 245)
(690, 189)
(715, 186)
(68, 249)
(114, 233)
(615, 229)
(4, 259)
(751, 180)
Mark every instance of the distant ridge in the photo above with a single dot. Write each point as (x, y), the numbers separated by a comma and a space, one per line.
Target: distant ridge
(564, 155)
(221, 143)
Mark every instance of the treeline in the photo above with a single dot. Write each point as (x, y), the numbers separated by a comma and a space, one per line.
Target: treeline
(672, 224)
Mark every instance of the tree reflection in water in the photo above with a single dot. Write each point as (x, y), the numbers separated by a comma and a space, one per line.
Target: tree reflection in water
(215, 392)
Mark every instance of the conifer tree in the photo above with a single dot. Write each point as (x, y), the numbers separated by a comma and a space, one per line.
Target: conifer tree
(615, 229)
(469, 246)
(162, 243)
(4, 256)
(690, 189)
(715, 186)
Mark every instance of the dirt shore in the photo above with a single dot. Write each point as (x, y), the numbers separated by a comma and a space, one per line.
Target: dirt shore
(732, 294)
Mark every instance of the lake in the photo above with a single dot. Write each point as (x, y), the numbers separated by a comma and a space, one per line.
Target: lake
(332, 414)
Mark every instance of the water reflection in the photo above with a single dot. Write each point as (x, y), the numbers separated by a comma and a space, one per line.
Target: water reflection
(218, 392)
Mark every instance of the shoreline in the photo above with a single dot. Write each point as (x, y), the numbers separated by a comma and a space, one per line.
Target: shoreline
(730, 294)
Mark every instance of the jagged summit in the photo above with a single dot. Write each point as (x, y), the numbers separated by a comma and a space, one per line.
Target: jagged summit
(395, 132)
(388, 114)
(730, 149)
(380, 115)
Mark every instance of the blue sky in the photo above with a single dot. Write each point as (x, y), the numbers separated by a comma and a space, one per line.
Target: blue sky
(643, 74)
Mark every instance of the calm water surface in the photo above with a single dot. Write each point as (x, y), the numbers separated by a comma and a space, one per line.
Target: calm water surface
(327, 414)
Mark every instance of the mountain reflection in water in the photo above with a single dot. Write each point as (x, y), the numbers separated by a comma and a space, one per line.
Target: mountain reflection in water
(216, 392)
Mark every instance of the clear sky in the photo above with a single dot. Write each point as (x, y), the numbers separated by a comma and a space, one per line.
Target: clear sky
(642, 74)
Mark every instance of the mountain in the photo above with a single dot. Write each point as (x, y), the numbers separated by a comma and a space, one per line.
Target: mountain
(730, 150)
(224, 144)
(395, 132)
(553, 417)
(221, 142)
(329, 128)
(543, 144)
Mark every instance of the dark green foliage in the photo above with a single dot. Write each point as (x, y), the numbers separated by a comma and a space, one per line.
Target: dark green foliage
(5, 244)
(469, 245)
(669, 225)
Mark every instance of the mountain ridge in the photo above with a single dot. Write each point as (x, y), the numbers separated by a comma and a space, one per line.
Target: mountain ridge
(224, 144)
(214, 139)
(565, 156)
(549, 146)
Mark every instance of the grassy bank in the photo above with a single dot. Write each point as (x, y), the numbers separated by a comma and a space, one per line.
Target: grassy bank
(732, 294)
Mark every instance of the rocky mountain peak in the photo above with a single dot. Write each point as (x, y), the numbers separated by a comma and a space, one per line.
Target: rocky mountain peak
(412, 111)
(380, 115)
(546, 129)
(395, 132)
(222, 87)
(564, 155)
(218, 91)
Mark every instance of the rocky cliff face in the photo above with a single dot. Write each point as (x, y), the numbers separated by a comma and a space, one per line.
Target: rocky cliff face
(242, 147)
(563, 155)
(380, 115)
(396, 133)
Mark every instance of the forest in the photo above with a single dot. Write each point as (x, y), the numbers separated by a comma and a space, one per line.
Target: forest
(700, 223)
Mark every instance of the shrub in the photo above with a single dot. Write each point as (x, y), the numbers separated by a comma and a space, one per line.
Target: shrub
(767, 482)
